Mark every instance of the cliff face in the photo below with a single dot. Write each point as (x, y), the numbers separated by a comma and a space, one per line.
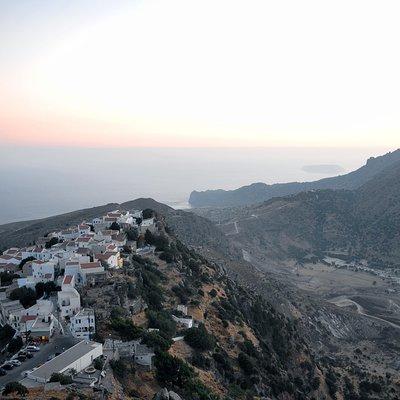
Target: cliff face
(259, 192)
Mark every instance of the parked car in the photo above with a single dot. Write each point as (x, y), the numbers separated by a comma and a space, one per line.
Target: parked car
(3, 372)
(21, 358)
(29, 355)
(25, 373)
(16, 363)
(7, 366)
(33, 348)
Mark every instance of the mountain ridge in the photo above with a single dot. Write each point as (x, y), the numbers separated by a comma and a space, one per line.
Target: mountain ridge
(258, 192)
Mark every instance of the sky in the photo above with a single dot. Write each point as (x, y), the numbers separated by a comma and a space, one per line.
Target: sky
(183, 73)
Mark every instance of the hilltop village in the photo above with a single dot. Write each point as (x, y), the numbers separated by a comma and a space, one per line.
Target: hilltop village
(41, 304)
(117, 307)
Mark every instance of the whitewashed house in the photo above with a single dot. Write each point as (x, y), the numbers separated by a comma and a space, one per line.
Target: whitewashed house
(43, 271)
(186, 321)
(83, 324)
(69, 300)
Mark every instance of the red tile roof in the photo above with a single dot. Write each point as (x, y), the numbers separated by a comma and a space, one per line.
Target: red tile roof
(94, 264)
(67, 279)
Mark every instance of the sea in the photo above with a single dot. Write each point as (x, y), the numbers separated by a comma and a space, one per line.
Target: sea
(37, 182)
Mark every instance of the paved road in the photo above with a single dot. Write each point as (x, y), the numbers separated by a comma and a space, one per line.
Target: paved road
(56, 345)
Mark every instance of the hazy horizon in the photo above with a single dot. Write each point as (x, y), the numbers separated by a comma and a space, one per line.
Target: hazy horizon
(39, 182)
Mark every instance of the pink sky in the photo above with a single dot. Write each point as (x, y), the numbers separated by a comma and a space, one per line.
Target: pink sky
(210, 73)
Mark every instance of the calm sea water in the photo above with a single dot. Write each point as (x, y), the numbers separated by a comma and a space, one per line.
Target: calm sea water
(39, 182)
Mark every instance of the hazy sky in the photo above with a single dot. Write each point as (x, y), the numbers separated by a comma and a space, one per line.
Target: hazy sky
(200, 73)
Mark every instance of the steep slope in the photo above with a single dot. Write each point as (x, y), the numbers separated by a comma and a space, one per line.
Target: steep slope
(25, 232)
(243, 346)
(362, 223)
(258, 192)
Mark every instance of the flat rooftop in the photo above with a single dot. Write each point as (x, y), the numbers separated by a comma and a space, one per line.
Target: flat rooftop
(62, 361)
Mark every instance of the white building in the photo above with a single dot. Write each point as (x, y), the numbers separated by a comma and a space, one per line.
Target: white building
(186, 321)
(69, 300)
(76, 358)
(43, 271)
(83, 324)
(112, 258)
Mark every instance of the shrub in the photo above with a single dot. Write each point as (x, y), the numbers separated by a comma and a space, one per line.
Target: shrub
(63, 379)
(15, 387)
(115, 226)
(199, 338)
(157, 341)
(118, 367)
(98, 363)
(246, 363)
(200, 361)
(6, 278)
(126, 329)
(162, 320)
(51, 242)
(172, 370)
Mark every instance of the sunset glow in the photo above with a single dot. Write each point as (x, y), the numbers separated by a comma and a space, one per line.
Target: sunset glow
(200, 73)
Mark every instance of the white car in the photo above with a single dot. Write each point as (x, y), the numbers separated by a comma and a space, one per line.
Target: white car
(16, 363)
(33, 348)
(25, 373)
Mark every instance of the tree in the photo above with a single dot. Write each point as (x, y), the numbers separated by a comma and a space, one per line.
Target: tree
(126, 329)
(39, 289)
(157, 341)
(7, 277)
(115, 226)
(172, 370)
(63, 379)
(50, 287)
(6, 333)
(25, 295)
(15, 387)
(51, 242)
(148, 213)
(199, 338)
(132, 234)
(25, 260)
(246, 363)
(15, 344)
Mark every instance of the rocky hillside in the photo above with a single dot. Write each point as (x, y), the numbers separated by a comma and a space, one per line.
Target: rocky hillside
(259, 192)
(363, 223)
(241, 347)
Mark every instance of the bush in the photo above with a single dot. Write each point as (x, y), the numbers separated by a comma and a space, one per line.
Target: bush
(157, 341)
(126, 329)
(6, 278)
(200, 361)
(115, 226)
(63, 379)
(119, 368)
(162, 320)
(15, 387)
(167, 256)
(51, 242)
(132, 234)
(199, 338)
(246, 363)
(172, 370)
(98, 363)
